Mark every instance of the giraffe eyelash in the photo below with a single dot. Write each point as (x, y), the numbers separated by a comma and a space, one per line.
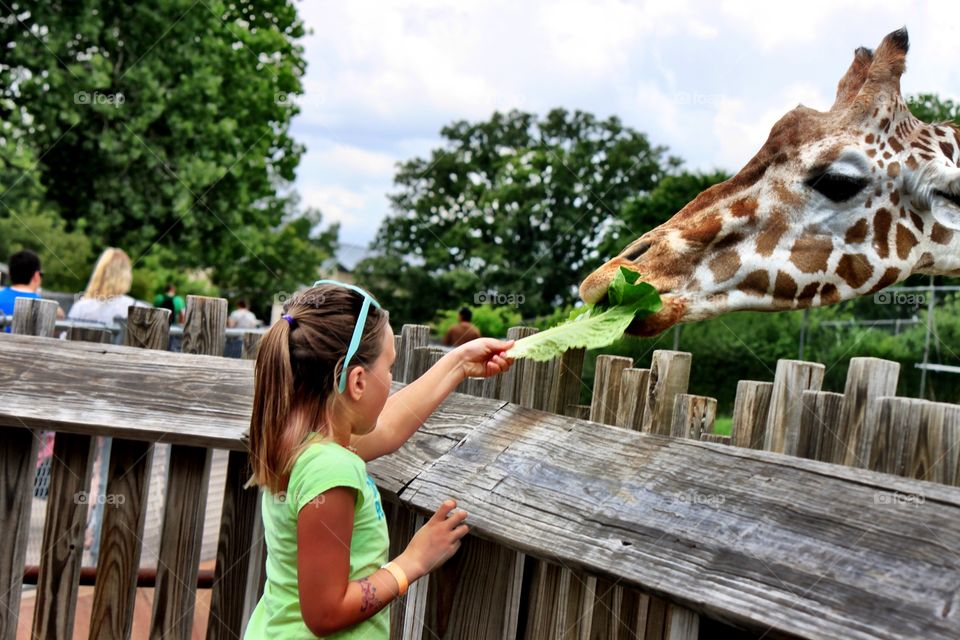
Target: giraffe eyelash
(836, 186)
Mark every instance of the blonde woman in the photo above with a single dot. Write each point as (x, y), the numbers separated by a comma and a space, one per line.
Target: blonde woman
(106, 295)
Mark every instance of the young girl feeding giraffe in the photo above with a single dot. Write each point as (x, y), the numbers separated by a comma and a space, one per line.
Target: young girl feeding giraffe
(321, 410)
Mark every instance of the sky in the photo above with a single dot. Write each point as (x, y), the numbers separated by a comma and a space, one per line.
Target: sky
(705, 79)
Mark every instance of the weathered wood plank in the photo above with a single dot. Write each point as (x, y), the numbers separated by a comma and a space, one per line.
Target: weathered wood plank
(204, 327)
(544, 484)
(510, 384)
(147, 328)
(567, 378)
(89, 334)
(18, 457)
(63, 531)
(792, 378)
(750, 410)
(820, 425)
(669, 375)
(411, 337)
(121, 539)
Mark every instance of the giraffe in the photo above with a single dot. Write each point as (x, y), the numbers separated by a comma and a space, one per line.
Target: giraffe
(835, 205)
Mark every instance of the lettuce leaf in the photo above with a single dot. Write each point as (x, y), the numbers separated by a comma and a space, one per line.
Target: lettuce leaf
(594, 326)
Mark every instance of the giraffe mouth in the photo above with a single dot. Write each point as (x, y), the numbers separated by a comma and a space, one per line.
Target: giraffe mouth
(654, 324)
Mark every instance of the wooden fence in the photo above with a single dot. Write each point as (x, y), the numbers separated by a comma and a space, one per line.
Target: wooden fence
(824, 515)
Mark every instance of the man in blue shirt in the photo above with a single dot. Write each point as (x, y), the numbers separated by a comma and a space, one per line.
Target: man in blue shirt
(25, 277)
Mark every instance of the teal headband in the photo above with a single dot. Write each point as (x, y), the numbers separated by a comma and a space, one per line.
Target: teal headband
(357, 330)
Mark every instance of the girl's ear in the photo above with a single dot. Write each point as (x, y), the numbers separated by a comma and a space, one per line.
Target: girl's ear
(356, 382)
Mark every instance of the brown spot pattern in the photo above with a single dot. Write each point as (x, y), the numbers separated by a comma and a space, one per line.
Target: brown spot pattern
(829, 294)
(808, 292)
(888, 278)
(768, 238)
(893, 169)
(881, 232)
(744, 207)
(725, 265)
(784, 287)
(855, 269)
(905, 241)
(940, 234)
(857, 233)
(704, 232)
(810, 254)
(756, 283)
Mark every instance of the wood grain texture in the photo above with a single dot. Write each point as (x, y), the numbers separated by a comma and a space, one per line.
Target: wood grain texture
(510, 384)
(867, 380)
(937, 454)
(89, 334)
(750, 410)
(147, 328)
(567, 380)
(606, 388)
(895, 438)
(669, 375)
(692, 416)
(18, 458)
(820, 425)
(792, 378)
(121, 539)
(679, 518)
(239, 547)
(633, 398)
(179, 560)
(34, 317)
(251, 345)
(63, 531)
(205, 326)
(411, 337)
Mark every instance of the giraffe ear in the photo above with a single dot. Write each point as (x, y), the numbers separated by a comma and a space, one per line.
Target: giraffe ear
(852, 81)
(882, 82)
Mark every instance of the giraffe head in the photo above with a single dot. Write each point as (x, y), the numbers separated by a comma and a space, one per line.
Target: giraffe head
(835, 205)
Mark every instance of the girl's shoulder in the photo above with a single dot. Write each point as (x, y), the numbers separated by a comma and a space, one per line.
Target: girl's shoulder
(326, 453)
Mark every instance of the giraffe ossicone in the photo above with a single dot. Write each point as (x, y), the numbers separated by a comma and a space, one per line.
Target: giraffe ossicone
(835, 205)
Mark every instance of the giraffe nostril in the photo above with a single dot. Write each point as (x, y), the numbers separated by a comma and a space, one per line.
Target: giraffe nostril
(637, 251)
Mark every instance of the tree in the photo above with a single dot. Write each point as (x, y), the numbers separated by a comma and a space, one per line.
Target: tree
(510, 209)
(163, 123)
(931, 108)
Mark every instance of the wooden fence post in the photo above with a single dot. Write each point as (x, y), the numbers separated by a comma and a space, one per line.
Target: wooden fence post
(411, 337)
(188, 477)
(693, 416)
(567, 380)
(510, 385)
(633, 398)
(669, 375)
(750, 409)
(819, 425)
(867, 380)
(34, 317)
(792, 378)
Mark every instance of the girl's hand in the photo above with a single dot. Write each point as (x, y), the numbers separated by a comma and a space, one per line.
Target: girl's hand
(484, 357)
(434, 543)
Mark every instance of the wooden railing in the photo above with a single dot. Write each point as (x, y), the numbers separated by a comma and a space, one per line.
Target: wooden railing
(628, 524)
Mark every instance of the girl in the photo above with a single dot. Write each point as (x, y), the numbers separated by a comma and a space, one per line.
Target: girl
(320, 411)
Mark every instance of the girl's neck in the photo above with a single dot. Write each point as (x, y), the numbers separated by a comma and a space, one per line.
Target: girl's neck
(337, 427)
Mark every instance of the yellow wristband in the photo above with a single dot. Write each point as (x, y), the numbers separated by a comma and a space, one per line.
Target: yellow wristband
(400, 576)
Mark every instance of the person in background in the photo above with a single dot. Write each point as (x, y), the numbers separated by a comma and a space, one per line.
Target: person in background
(463, 331)
(170, 300)
(25, 278)
(106, 295)
(242, 317)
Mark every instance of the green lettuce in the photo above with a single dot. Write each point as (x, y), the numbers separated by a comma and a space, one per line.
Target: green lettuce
(594, 326)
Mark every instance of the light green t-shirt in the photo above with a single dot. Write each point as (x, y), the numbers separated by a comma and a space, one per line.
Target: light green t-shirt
(321, 466)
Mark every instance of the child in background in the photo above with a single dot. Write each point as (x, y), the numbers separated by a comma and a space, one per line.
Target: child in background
(320, 411)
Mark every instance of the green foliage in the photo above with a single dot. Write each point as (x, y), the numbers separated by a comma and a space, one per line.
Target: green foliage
(492, 321)
(165, 125)
(510, 206)
(933, 109)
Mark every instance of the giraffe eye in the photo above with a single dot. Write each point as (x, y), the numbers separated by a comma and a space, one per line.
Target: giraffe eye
(837, 186)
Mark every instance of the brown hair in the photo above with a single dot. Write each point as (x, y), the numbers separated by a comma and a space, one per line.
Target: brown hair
(298, 368)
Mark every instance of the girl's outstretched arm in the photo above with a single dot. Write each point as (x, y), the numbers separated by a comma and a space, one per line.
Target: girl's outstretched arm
(408, 408)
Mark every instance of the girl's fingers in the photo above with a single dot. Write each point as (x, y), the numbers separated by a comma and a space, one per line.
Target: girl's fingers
(457, 518)
(444, 510)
